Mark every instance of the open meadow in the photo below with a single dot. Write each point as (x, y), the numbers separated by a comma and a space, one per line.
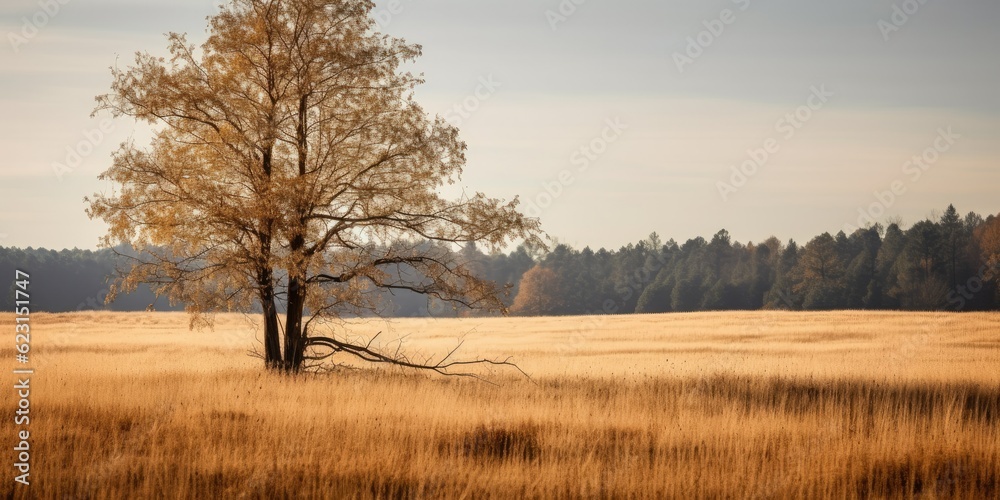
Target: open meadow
(709, 405)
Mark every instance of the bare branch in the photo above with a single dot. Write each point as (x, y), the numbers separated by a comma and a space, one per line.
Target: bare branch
(442, 366)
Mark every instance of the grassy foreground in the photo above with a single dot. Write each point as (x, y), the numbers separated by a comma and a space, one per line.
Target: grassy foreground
(714, 405)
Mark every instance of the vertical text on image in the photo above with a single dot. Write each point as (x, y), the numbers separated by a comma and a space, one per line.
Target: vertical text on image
(22, 388)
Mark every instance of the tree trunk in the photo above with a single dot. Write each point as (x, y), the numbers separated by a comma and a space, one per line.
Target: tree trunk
(295, 341)
(272, 337)
(295, 345)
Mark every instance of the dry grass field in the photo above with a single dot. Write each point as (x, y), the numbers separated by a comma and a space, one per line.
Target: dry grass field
(717, 405)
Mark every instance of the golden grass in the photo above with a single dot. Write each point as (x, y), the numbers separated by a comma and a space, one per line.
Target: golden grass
(714, 405)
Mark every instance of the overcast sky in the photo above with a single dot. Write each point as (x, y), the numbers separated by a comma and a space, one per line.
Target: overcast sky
(610, 120)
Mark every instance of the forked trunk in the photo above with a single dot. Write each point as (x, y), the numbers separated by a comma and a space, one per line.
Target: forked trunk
(295, 344)
(265, 283)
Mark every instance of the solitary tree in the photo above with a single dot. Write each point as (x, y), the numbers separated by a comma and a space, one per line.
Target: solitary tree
(291, 169)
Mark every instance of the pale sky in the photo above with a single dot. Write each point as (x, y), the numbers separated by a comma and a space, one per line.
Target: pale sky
(887, 81)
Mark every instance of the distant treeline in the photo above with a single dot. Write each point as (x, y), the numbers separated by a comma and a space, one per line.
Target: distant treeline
(948, 264)
(72, 280)
(951, 263)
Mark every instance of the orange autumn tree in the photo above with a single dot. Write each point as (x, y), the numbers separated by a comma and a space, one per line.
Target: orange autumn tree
(988, 239)
(540, 293)
(289, 168)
